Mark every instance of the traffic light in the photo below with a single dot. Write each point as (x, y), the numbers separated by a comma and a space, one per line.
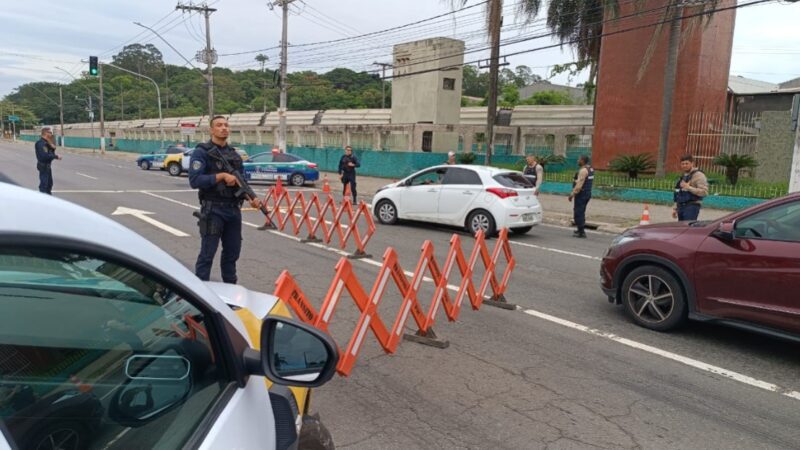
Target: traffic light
(93, 66)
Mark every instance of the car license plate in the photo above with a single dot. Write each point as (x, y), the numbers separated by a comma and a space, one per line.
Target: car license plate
(527, 217)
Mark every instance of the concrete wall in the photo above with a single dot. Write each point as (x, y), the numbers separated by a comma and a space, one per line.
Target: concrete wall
(628, 113)
(775, 147)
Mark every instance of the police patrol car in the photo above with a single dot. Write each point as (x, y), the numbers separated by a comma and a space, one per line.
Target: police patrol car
(156, 160)
(178, 163)
(109, 342)
(269, 166)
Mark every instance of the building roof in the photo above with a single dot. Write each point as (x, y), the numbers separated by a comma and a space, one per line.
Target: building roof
(741, 85)
(575, 93)
(793, 83)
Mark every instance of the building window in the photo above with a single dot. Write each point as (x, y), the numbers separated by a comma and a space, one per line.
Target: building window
(427, 141)
(449, 84)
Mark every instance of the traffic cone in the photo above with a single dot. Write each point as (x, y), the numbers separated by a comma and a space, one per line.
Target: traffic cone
(279, 187)
(326, 187)
(645, 216)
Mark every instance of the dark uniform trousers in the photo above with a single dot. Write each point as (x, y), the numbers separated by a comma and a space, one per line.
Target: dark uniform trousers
(579, 209)
(45, 178)
(226, 225)
(351, 180)
(688, 211)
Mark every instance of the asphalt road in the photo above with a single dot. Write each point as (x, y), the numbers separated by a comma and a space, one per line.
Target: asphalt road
(564, 370)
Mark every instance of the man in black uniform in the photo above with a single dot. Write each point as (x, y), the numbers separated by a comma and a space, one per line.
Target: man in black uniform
(582, 193)
(220, 208)
(45, 154)
(347, 169)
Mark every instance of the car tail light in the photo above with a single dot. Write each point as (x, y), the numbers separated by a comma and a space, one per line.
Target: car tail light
(502, 192)
(312, 166)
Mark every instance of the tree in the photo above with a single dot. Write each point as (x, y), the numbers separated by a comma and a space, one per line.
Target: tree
(262, 59)
(524, 76)
(475, 83)
(733, 164)
(548, 98)
(144, 59)
(510, 96)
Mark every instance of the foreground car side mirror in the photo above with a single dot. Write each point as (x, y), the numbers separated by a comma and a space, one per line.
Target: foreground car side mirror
(293, 353)
(726, 231)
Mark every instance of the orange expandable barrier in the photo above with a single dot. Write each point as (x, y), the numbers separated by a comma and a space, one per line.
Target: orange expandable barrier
(288, 290)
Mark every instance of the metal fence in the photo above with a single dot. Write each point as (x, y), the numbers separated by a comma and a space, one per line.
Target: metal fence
(712, 133)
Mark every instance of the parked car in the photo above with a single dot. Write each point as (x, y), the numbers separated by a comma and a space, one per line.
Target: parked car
(156, 159)
(269, 166)
(741, 270)
(177, 164)
(475, 197)
(107, 326)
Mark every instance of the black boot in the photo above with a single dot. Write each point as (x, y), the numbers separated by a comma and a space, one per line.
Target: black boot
(579, 234)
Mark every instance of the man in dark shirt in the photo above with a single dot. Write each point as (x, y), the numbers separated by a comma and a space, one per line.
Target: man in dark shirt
(45, 154)
(347, 169)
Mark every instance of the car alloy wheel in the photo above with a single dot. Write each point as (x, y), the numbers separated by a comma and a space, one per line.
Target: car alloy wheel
(481, 220)
(59, 439)
(298, 179)
(145, 165)
(653, 298)
(174, 169)
(387, 213)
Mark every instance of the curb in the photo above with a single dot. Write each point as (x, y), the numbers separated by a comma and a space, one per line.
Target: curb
(565, 220)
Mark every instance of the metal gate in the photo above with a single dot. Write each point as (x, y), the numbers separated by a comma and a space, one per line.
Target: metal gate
(713, 133)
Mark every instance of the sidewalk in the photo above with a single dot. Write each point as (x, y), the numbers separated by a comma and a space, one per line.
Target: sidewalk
(603, 215)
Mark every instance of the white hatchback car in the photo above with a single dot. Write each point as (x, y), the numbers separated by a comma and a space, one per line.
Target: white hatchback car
(475, 197)
(106, 341)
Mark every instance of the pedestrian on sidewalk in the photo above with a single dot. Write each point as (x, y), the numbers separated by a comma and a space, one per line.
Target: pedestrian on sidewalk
(347, 170)
(451, 158)
(45, 154)
(690, 190)
(582, 193)
(534, 172)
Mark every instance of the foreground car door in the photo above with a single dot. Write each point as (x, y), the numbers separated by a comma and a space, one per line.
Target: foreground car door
(102, 354)
(460, 188)
(420, 199)
(755, 276)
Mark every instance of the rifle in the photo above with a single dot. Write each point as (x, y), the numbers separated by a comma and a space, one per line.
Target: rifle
(244, 188)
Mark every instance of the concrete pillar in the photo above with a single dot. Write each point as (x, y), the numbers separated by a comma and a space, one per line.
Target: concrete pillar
(244, 137)
(376, 140)
(296, 135)
(318, 137)
(416, 139)
(560, 144)
(519, 145)
(468, 136)
(346, 136)
(258, 137)
(794, 175)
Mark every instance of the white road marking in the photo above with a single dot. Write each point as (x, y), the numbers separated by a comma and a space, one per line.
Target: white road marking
(87, 176)
(555, 250)
(669, 355)
(143, 215)
(81, 191)
(150, 193)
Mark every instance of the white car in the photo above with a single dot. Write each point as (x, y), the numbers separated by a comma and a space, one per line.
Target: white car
(107, 341)
(475, 197)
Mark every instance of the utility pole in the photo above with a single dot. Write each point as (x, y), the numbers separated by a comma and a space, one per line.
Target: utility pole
(284, 4)
(794, 174)
(61, 113)
(102, 113)
(209, 56)
(495, 24)
(383, 81)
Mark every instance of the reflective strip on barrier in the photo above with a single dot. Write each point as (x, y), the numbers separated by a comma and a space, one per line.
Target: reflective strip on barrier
(345, 279)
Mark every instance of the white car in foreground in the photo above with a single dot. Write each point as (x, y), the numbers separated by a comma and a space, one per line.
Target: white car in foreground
(107, 341)
(474, 197)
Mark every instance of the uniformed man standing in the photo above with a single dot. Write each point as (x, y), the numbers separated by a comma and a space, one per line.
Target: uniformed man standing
(582, 193)
(534, 172)
(347, 169)
(45, 154)
(690, 189)
(220, 209)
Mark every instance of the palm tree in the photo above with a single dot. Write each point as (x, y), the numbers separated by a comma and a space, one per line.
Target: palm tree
(262, 58)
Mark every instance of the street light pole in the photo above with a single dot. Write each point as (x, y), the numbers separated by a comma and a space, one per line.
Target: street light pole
(158, 96)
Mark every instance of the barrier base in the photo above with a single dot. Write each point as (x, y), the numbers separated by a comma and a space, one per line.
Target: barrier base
(359, 255)
(500, 302)
(267, 226)
(429, 338)
(310, 239)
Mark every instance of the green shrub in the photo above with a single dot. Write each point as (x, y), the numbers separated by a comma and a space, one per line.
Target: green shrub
(544, 160)
(633, 164)
(733, 163)
(466, 158)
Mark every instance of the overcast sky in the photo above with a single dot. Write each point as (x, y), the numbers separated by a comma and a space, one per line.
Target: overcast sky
(48, 33)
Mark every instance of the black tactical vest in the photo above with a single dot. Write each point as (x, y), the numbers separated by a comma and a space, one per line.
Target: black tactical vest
(587, 183)
(214, 165)
(680, 196)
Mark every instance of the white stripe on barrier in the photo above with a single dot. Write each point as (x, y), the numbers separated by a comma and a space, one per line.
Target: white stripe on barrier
(336, 293)
(420, 277)
(360, 336)
(381, 287)
(403, 319)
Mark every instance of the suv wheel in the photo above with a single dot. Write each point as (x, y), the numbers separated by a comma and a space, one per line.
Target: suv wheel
(386, 212)
(653, 298)
(174, 169)
(481, 220)
(145, 165)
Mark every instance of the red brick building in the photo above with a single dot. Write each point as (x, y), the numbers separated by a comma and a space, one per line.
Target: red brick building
(628, 111)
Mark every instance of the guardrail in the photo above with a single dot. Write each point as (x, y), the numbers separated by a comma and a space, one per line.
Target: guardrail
(288, 290)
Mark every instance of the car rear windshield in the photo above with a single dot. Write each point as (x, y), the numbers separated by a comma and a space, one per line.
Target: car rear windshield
(513, 180)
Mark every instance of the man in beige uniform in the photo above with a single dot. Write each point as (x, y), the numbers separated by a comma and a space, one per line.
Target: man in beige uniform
(690, 190)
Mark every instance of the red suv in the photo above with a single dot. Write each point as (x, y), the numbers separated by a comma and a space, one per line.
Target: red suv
(741, 270)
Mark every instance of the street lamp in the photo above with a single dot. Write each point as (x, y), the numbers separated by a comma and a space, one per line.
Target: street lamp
(158, 94)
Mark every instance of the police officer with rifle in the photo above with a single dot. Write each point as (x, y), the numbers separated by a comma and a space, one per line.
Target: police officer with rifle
(215, 171)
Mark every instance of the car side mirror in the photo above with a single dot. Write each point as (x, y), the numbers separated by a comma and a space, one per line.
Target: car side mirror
(293, 353)
(407, 182)
(726, 231)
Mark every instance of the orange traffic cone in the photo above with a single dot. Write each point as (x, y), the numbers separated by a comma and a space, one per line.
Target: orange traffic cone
(645, 216)
(326, 187)
(279, 187)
